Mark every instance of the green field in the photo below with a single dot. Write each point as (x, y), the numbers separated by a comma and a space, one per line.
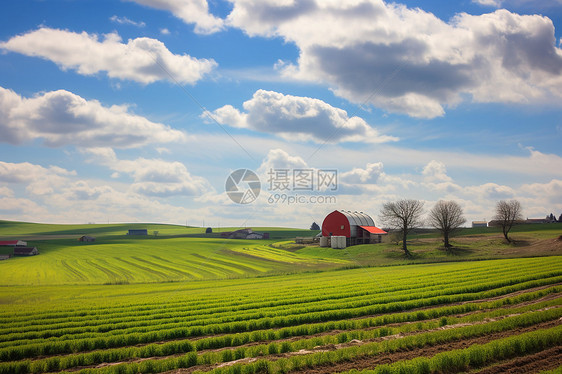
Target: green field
(177, 253)
(188, 302)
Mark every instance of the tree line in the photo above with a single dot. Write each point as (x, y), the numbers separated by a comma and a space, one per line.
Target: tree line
(446, 216)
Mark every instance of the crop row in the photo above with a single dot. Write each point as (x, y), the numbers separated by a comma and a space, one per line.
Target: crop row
(327, 307)
(475, 356)
(36, 347)
(354, 328)
(275, 296)
(549, 337)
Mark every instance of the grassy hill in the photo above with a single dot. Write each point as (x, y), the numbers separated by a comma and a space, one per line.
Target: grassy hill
(180, 253)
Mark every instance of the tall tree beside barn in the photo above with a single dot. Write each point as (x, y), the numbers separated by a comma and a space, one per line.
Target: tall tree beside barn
(314, 226)
(446, 216)
(507, 213)
(404, 216)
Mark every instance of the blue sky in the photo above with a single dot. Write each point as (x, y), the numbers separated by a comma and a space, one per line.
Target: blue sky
(137, 111)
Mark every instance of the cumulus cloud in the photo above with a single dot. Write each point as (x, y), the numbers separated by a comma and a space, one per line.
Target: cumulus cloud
(190, 11)
(435, 171)
(143, 60)
(551, 192)
(61, 117)
(408, 60)
(37, 179)
(280, 159)
(370, 174)
(153, 177)
(298, 118)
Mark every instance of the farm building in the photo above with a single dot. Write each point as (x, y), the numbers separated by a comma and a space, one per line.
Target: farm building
(356, 227)
(479, 224)
(25, 251)
(244, 234)
(86, 238)
(138, 232)
(13, 243)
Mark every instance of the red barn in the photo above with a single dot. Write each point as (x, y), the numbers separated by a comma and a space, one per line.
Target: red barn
(357, 227)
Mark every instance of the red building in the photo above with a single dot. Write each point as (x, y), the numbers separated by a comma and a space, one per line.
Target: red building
(357, 227)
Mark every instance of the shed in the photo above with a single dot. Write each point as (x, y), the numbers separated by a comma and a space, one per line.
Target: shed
(479, 224)
(25, 251)
(86, 238)
(138, 232)
(357, 227)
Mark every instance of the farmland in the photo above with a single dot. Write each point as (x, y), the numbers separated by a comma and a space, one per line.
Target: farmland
(272, 308)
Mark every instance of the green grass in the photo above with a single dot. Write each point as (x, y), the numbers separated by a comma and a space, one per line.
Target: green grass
(177, 254)
(181, 253)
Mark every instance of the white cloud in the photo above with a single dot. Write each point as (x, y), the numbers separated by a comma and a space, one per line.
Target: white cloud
(38, 179)
(280, 159)
(299, 118)
(435, 171)
(164, 31)
(143, 60)
(126, 21)
(408, 60)
(61, 117)
(153, 177)
(190, 11)
(550, 192)
(370, 174)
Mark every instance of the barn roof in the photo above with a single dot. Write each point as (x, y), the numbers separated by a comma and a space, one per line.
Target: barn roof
(373, 230)
(358, 218)
(13, 242)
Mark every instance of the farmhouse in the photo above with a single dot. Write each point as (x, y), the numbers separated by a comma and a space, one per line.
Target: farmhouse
(138, 232)
(356, 227)
(25, 251)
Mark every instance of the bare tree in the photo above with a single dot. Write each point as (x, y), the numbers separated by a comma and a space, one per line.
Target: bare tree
(507, 213)
(446, 216)
(403, 215)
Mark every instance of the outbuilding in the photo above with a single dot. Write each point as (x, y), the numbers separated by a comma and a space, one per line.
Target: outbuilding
(138, 232)
(356, 227)
(86, 238)
(25, 251)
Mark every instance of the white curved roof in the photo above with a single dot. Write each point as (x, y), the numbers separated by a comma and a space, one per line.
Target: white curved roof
(358, 218)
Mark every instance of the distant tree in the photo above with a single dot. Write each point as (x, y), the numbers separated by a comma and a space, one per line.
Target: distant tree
(560, 218)
(507, 213)
(446, 216)
(404, 216)
(209, 230)
(551, 218)
(314, 226)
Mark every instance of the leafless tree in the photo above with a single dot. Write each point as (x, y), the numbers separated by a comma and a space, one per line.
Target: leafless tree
(403, 215)
(507, 213)
(446, 216)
